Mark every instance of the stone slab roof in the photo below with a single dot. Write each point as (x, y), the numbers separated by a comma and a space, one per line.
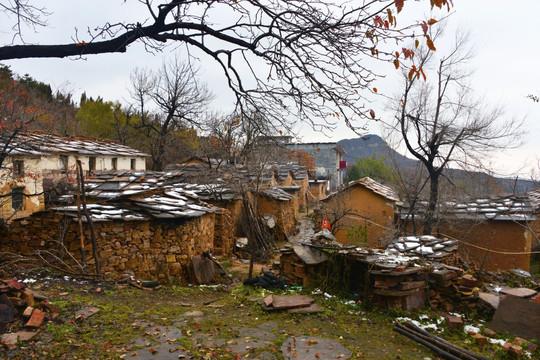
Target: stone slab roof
(497, 208)
(170, 204)
(298, 172)
(370, 184)
(534, 198)
(426, 246)
(64, 145)
(205, 184)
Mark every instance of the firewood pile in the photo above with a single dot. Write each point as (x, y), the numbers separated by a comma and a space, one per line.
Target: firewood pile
(22, 309)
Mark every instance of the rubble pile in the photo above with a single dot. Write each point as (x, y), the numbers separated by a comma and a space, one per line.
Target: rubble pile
(22, 309)
(451, 289)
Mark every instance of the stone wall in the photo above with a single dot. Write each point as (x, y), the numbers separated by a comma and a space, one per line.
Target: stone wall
(224, 233)
(153, 249)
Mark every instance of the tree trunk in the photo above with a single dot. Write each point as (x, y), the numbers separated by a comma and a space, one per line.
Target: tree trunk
(432, 205)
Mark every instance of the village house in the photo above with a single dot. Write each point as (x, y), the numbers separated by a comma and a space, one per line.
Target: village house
(154, 223)
(21, 184)
(495, 232)
(60, 154)
(156, 235)
(328, 159)
(363, 212)
(37, 162)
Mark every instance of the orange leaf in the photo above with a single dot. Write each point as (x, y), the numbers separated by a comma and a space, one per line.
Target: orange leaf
(399, 4)
(423, 74)
(375, 90)
(431, 21)
(396, 63)
(411, 74)
(430, 44)
(424, 26)
(372, 114)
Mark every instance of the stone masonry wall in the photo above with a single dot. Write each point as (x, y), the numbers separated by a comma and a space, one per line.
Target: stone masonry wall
(152, 249)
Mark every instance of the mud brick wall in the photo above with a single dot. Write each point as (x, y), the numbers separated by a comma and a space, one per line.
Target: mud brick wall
(153, 249)
(285, 211)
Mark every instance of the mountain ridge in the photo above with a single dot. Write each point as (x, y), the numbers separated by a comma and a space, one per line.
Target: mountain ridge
(365, 146)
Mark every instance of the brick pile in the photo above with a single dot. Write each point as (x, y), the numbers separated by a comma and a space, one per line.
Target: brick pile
(22, 309)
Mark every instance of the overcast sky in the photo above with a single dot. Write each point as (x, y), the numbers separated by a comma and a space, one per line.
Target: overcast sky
(503, 32)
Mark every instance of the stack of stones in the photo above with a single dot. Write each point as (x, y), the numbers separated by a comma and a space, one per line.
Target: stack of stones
(452, 290)
(22, 311)
(426, 246)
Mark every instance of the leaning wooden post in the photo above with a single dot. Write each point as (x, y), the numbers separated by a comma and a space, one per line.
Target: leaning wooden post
(79, 218)
(95, 252)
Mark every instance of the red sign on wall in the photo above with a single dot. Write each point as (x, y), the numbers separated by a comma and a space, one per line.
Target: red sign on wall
(343, 164)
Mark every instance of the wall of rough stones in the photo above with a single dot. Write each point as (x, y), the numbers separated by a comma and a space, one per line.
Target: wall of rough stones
(153, 249)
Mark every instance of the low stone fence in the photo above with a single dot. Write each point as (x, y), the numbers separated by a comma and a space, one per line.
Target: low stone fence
(152, 249)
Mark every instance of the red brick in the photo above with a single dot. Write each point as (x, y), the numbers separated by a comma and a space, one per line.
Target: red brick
(469, 281)
(15, 285)
(480, 339)
(36, 319)
(454, 322)
(525, 344)
(513, 350)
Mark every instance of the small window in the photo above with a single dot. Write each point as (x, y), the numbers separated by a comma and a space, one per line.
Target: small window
(17, 198)
(92, 163)
(133, 164)
(114, 163)
(18, 168)
(63, 162)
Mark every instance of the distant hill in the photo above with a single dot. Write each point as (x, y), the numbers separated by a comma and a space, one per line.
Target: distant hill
(366, 146)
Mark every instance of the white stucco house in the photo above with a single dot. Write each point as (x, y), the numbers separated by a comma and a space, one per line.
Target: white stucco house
(35, 162)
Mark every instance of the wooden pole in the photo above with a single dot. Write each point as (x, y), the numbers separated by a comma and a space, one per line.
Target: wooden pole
(79, 219)
(95, 252)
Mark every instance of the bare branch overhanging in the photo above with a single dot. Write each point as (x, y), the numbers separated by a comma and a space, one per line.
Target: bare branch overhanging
(314, 52)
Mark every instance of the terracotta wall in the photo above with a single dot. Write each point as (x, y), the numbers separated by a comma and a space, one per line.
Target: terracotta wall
(370, 210)
(285, 211)
(317, 190)
(149, 248)
(500, 236)
(302, 193)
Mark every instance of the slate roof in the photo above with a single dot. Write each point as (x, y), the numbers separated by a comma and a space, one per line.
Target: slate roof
(534, 198)
(205, 184)
(167, 204)
(426, 246)
(53, 144)
(497, 208)
(298, 172)
(378, 188)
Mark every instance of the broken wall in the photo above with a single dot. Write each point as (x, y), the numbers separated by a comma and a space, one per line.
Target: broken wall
(286, 212)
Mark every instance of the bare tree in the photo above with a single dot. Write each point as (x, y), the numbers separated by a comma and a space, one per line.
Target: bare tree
(314, 53)
(442, 122)
(168, 102)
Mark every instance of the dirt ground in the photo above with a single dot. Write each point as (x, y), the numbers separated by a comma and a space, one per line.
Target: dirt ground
(203, 322)
(210, 322)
